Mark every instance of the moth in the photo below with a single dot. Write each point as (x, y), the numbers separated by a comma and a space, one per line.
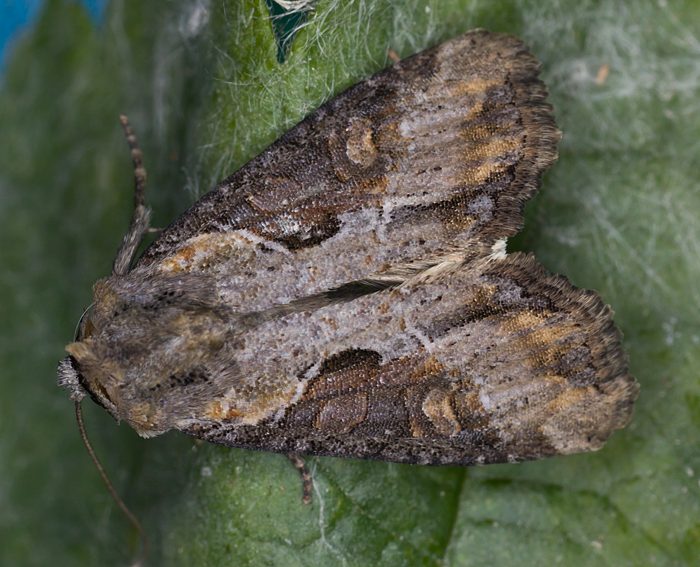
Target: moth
(348, 291)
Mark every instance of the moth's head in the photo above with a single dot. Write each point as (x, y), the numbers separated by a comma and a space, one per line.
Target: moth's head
(77, 372)
(69, 373)
(142, 349)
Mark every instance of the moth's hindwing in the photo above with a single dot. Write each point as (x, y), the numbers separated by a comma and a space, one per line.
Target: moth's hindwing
(347, 292)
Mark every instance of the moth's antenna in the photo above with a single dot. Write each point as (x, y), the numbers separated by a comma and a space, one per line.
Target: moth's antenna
(110, 487)
(80, 321)
(141, 215)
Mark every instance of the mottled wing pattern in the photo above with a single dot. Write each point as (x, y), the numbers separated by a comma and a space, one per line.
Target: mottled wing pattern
(436, 153)
(347, 291)
(487, 362)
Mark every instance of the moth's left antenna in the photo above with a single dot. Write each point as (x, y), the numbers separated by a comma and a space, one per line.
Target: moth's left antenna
(110, 487)
(141, 215)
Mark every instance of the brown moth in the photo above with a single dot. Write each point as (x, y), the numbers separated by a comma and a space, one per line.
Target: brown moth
(348, 293)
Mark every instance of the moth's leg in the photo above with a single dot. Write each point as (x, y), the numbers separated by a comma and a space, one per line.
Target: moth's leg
(141, 215)
(306, 480)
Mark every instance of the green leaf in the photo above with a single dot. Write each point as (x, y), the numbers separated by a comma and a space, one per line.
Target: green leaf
(205, 92)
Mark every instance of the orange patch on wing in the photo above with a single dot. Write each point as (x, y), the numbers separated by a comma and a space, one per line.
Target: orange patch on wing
(252, 404)
(471, 87)
(437, 407)
(546, 342)
(568, 398)
(359, 146)
(216, 411)
(200, 252)
(490, 148)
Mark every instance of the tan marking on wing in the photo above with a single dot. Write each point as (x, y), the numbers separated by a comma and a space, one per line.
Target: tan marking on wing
(474, 86)
(200, 252)
(253, 404)
(492, 148)
(478, 132)
(486, 154)
(360, 147)
(471, 412)
(546, 341)
(475, 175)
(569, 397)
(431, 366)
(437, 407)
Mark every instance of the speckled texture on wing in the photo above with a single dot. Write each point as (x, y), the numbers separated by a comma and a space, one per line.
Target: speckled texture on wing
(435, 154)
(490, 362)
(347, 292)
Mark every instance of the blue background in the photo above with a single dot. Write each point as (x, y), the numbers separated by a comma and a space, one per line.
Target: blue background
(15, 15)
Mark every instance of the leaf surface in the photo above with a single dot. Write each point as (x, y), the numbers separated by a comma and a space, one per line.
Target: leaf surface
(204, 89)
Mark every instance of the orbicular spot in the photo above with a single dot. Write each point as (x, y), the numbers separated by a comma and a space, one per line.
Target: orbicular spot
(359, 146)
(342, 414)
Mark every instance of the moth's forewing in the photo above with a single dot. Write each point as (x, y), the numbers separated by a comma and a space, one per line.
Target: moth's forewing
(489, 362)
(433, 155)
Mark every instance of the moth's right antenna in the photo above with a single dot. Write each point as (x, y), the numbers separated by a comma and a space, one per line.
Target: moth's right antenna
(141, 215)
(110, 487)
